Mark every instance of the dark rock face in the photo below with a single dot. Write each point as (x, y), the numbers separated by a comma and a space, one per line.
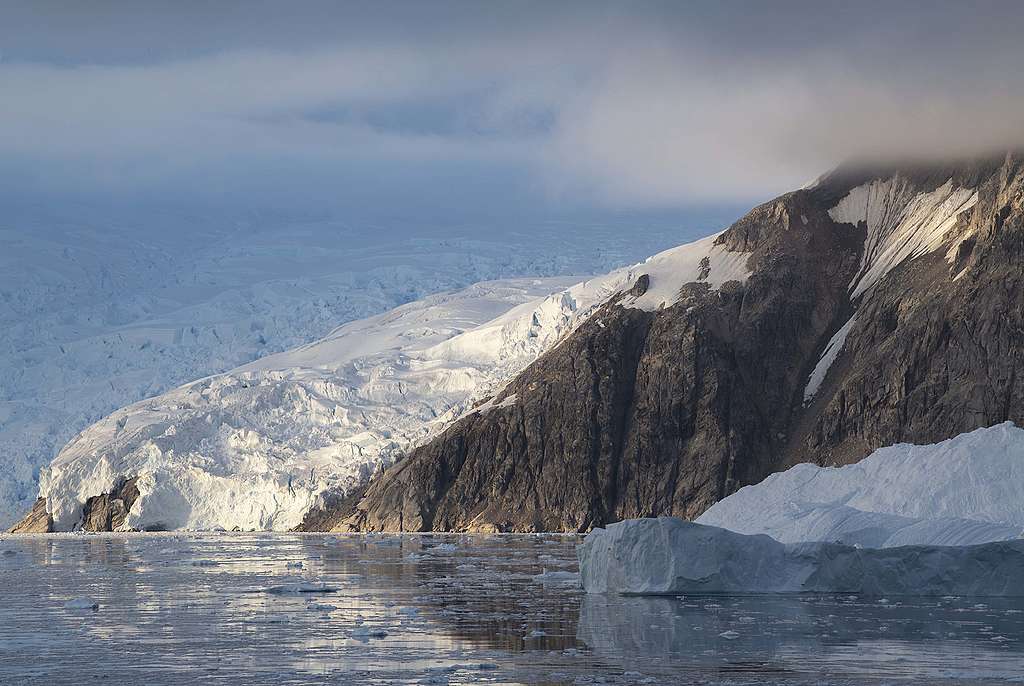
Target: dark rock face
(37, 521)
(930, 357)
(642, 414)
(107, 512)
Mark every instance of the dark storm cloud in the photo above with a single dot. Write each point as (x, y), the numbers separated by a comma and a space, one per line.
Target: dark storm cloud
(631, 104)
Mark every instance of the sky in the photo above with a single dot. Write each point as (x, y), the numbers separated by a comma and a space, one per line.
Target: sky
(446, 107)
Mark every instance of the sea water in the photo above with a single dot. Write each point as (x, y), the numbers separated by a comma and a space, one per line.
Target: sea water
(426, 609)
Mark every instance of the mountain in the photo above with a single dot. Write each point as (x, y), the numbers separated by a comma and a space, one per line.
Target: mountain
(878, 305)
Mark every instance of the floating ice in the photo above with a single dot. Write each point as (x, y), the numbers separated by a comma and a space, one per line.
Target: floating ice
(668, 556)
(557, 577)
(300, 587)
(321, 607)
(966, 490)
(444, 548)
(82, 603)
(362, 632)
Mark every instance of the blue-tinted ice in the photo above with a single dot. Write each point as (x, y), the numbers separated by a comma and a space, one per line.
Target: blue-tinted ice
(238, 608)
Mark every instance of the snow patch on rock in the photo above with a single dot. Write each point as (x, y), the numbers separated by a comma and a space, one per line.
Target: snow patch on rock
(702, 261)
(901, 224)
(966, 490)
(832, 350)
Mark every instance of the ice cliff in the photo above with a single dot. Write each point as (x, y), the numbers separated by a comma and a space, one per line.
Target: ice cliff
(668, 556)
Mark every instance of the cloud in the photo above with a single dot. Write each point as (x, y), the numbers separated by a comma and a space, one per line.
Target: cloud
(652, 105)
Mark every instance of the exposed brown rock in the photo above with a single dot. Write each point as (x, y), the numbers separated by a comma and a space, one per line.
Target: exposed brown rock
(37, 521)
(107, 512)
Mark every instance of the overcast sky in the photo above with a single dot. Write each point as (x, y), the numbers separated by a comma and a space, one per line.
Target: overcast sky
(600, 105)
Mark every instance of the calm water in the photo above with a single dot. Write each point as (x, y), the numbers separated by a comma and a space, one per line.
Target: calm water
(447, 610)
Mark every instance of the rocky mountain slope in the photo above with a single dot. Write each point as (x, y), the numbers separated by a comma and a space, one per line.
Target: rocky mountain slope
(877, 306)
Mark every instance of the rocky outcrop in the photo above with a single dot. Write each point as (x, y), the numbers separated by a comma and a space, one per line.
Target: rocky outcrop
(37, 521)
(107, 512)
(643, 414)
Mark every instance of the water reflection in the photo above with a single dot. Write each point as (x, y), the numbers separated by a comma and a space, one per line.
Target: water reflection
(929, 639)
(444, 609)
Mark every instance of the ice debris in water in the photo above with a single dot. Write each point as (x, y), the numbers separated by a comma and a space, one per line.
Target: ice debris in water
(321, 607)
(444, 548)
(83, 603)
(363, 633)
(557, 577)
(667, 556)
(300, 587)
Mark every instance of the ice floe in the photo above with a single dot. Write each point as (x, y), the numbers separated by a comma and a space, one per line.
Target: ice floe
(83, 603)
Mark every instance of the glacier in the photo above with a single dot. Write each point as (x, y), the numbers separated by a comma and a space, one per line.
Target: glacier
(259, 446)
(669, 556)
(965, 490)
(254, 447)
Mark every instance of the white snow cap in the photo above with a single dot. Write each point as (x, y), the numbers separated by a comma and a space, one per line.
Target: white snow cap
(968, 489)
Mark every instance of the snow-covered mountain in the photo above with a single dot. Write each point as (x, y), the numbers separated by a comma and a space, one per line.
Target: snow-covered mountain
(259, 446)
(100, 309)
(878, 306)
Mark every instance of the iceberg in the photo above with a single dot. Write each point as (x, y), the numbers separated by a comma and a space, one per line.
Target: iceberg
(963, 491)
(669, 556)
